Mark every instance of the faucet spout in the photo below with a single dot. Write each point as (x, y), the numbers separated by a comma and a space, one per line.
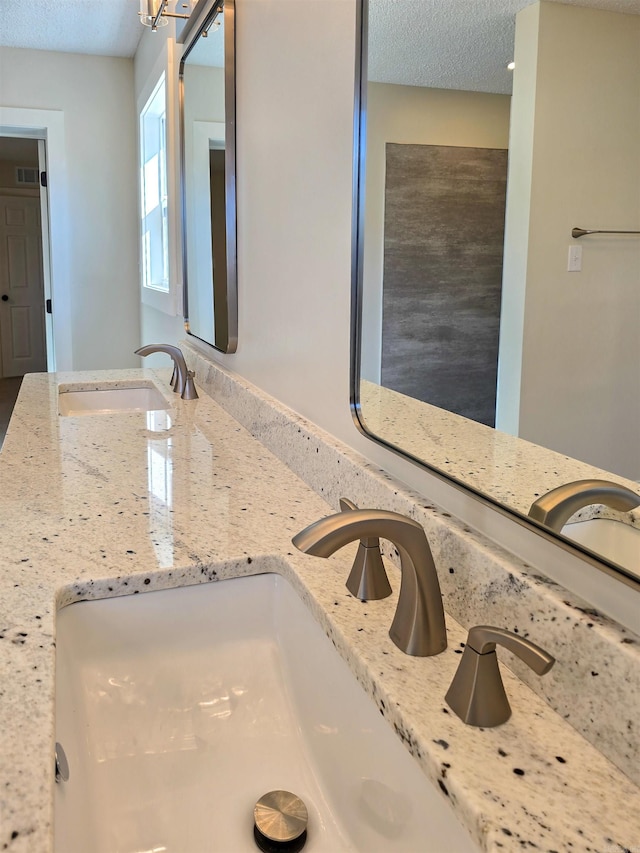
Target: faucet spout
(184, 384)
(556, 507)
(418, 627)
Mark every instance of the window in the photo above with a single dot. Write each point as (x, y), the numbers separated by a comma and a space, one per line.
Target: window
(153, 186)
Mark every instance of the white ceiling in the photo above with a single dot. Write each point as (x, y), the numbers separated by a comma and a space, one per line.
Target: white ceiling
(460, 44)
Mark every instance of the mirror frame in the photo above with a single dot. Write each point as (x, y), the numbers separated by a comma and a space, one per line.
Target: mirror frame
(620, 573)
(202, 16)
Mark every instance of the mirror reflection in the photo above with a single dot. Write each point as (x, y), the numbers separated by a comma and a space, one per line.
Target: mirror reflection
(208, 178)
(479, 309)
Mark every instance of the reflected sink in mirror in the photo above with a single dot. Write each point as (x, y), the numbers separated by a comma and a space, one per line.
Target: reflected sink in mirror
(614, 540)
(179, 709)
(74, 401)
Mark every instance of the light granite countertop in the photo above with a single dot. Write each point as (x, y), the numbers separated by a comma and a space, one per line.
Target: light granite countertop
(107, 505)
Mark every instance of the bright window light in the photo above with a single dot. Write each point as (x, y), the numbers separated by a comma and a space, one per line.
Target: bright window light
(153, 184)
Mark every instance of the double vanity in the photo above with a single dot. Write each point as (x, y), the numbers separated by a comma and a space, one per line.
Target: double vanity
(204, 696)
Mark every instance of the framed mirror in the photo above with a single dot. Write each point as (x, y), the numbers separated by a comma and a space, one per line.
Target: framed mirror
(490, 344)
(207, 139)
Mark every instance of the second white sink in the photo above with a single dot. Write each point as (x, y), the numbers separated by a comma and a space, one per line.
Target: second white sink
(107, 400)
(179, 709)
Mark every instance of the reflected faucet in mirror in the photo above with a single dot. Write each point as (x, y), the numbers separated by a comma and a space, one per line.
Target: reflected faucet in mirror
(556, 507)
(182, 378)
(418, 627)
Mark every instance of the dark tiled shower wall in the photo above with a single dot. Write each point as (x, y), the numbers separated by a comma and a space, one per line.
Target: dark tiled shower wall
(443, 242)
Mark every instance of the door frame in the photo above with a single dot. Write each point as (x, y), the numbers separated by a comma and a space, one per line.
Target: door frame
(48, 125)
(46, 256)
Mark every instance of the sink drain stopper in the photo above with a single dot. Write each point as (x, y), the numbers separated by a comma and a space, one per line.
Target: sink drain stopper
(280, 822)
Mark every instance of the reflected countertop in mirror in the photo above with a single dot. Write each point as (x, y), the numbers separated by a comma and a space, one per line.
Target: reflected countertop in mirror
(509, 470)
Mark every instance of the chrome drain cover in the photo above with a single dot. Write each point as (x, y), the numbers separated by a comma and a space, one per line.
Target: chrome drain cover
(281, 820)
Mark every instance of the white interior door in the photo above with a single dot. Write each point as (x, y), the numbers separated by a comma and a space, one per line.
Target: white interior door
(22, 328)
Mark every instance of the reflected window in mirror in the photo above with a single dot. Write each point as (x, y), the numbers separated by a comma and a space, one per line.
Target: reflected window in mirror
(207, 106)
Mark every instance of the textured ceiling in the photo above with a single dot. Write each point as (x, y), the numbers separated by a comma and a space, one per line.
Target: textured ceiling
(106, 27)
(460, 44)
(452, 44)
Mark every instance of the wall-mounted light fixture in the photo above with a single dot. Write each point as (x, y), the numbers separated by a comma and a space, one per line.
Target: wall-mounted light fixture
(154, 14)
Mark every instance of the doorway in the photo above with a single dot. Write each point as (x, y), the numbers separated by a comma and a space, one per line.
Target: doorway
(23, 338)
(23, 241)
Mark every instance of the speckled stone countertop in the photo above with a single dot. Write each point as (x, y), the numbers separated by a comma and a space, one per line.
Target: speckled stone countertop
(106, 505)
(510, 470)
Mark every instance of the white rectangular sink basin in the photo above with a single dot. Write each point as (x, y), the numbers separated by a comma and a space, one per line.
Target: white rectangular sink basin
(179, 709)
(106, 401)
(615, 540)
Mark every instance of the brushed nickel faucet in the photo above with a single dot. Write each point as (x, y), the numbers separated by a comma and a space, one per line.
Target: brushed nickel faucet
(182, 378)
(418, 627)
(477, 693)
(556, 507)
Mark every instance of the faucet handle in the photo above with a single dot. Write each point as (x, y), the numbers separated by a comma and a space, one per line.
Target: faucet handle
(484, 638)
(189, 391)
(368, 579)
(477, 693)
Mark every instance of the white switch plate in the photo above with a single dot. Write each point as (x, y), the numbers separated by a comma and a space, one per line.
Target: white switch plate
(575, 259)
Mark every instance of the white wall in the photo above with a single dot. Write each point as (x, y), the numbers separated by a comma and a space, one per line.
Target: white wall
(516, 233)
(413, 114)
(95, 95)
(576, 137)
